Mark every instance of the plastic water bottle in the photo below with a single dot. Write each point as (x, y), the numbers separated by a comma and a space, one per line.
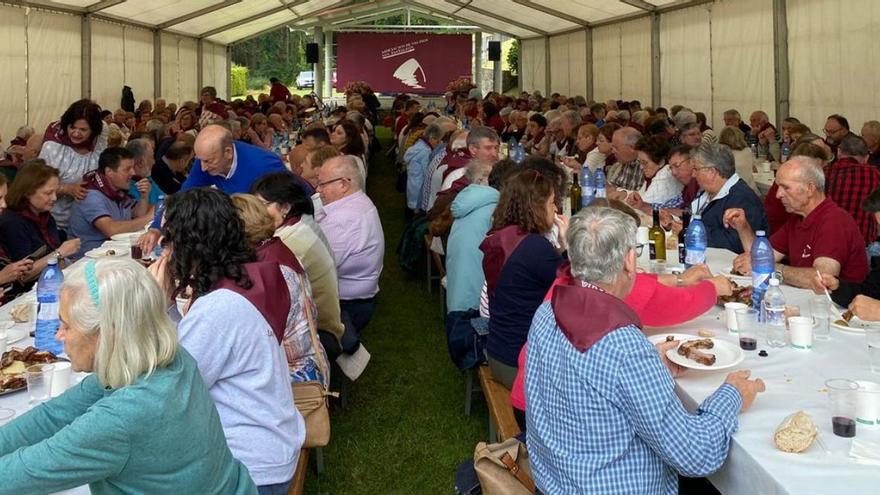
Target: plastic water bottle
(754, 147)
(784, 151)
(159, 212)
(763, 266)
(588, 187)
(599, 179)
(695, 241)
(519, 154)
(48, 291)
(774, 313)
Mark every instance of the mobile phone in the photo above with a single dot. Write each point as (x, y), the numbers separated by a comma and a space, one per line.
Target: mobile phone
(39, 253)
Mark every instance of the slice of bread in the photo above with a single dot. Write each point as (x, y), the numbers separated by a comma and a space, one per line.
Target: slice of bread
(796, 433)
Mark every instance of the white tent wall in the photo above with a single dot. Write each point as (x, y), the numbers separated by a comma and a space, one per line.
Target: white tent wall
(832, 47)
(685, 62)
(54, 65)
(108, 56)
(138, 65)
(568, 63)
(534, 65)
(635, 62)
(13, 77)
(606, 63)
(214, 67)
(179, 68)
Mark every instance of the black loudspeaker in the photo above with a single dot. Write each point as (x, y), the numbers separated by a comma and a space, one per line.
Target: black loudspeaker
(494, 51)
(312, 53)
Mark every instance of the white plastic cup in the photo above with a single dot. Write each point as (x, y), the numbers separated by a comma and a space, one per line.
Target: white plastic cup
(60, 378)
(801, 329)
(730, 315)
(868, 403)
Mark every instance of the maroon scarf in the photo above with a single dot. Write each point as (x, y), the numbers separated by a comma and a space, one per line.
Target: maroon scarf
(54, 133)
(273, 249)
(586, 313)
(455, 160)
(268, 293)
(290, 221)
(97, 181)
(582, 155)
(42, 222)
(497, 248)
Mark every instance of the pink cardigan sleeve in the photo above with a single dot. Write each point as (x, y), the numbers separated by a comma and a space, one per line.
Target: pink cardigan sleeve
(660, 306)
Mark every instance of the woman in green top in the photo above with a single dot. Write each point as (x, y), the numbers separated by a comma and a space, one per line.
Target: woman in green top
(143, 422)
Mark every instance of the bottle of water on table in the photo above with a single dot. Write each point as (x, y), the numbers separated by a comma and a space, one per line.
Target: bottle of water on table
(599, 179)
(48, 292)
(763, 266)
(695, 241)
(588, 187)
(774, 311)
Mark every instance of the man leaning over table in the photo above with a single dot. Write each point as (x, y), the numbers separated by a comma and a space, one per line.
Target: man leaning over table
(820, 236)
(603, 416)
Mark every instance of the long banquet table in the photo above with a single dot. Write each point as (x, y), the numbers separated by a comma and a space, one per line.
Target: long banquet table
(795, 381)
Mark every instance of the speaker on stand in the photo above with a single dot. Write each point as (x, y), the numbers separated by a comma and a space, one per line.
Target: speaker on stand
(494, 51)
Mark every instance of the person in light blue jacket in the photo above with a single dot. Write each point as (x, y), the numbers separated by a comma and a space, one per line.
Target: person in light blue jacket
(472, 217)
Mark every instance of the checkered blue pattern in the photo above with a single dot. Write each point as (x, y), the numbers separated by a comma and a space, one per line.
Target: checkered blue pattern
(608, 420)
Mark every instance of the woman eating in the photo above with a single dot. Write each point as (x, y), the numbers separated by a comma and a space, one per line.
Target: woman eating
(72, 145)
(27, 228)
(660, 189)
(142, 421)
(234, 327)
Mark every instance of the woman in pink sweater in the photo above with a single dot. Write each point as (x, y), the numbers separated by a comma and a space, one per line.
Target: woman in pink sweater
(658, 300)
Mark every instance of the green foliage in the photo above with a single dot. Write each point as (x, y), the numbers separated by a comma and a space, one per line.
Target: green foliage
(239, 80)
(258, 83)
(280, 53)
(513, 57)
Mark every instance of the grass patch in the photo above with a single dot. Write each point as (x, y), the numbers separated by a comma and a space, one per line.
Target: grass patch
(403, 430)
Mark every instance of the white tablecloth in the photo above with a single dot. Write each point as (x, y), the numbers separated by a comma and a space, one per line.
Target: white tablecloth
(795, 381)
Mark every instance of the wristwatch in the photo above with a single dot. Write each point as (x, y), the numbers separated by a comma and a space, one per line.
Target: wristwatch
(679, 280)
(778, 273)
(58, 255)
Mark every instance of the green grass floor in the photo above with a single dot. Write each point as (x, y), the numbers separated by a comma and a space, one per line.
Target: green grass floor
(403, 430)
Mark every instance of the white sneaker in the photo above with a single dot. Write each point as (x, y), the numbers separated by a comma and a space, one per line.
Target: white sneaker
(354, 364)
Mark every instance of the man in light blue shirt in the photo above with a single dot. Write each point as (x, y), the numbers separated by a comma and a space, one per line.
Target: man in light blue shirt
(602, 412)
(417, 158)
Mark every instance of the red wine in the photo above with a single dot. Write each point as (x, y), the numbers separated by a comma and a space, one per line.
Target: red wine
(748, 343)
(136, 252)
(843, 427)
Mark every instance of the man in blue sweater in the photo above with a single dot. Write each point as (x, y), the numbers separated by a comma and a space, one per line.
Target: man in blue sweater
(722, 187)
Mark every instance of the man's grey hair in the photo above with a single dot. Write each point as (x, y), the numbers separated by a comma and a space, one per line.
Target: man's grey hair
(810, 171)
(732, 113)
(854, 146)
(716, 156)
(572, 117)
(623, 115)
(234, 124)
(872, 126)
(552, 115)
(640, 117)
(478, 171)
(139, 148)
(598, 240)
(434, 131)
(683, 118)
(346, 166)
(630, 136)
(479, 133)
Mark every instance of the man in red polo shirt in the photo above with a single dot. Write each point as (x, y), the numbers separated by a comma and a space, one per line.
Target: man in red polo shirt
(821, 236)
(850, 180)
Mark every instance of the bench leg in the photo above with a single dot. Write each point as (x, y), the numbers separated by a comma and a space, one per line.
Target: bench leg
(319, 459)
(468, 391)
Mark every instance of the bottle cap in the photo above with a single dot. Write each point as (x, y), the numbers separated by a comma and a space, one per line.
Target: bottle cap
(53, 261)
(760, 233)
(697, 217)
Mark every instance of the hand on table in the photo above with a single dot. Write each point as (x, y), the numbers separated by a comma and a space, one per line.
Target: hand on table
(16, 271)
(827, 281)
(865, 308)
(674, 369)
(722, 284)
(742, 263)
(695, 274)
(747, 389)
(149, 240)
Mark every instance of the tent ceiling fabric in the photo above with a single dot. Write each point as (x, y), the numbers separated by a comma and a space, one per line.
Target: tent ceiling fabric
(228, 21)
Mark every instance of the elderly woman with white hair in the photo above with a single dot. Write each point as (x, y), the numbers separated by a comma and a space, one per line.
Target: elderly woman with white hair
(142, 422)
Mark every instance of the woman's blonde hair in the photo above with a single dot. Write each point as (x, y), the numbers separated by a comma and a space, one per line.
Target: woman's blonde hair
(733, 138)
(121, 301)
(258, 223)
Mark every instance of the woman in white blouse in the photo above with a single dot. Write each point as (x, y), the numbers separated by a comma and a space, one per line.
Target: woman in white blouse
(73, 145)
(660, 189)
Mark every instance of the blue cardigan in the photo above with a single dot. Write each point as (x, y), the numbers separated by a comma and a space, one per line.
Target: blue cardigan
(742, 196)
(253, 163)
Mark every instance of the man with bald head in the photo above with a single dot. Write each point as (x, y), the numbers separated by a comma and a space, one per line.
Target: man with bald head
(764, 135)
(352, 226)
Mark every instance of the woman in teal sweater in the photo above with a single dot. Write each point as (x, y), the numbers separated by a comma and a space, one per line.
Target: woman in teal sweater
(143, 422)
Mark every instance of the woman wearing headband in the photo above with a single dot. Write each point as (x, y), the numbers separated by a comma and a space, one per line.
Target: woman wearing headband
(142, 422)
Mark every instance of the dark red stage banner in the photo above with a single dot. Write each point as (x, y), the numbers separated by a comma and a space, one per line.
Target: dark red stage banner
(404, 62)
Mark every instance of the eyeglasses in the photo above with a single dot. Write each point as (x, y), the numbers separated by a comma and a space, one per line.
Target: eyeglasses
(639, 248)
(331, 181)
(678, 164)
(833, 131)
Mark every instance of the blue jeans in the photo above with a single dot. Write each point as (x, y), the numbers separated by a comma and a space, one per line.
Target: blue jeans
(276, 489)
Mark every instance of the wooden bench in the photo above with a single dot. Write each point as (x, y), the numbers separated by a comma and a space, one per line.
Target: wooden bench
(299, 476)
(502, 423)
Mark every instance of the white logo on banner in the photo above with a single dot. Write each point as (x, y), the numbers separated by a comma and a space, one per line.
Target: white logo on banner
(406, 73)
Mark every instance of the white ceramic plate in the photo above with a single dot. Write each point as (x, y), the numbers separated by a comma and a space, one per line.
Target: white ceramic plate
(855, 325)
(125, 237)
(727, 355)
(661, 337)
(740, 279)
(104, 252)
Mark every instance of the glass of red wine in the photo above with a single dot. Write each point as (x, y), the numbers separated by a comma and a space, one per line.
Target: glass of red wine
(842, 394)
(747, 324)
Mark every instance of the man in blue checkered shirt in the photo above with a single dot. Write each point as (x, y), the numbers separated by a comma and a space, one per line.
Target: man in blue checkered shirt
(603, 416)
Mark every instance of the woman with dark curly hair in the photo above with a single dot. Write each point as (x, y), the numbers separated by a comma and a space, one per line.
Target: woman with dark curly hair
(73, 145)
(520, 258)
(233, 326)
(346, 137)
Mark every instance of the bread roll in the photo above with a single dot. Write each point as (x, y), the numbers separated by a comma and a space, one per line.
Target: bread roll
(796, 433)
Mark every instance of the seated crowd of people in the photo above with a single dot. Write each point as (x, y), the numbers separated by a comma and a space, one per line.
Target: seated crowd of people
(537, 279)
(260, 268)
